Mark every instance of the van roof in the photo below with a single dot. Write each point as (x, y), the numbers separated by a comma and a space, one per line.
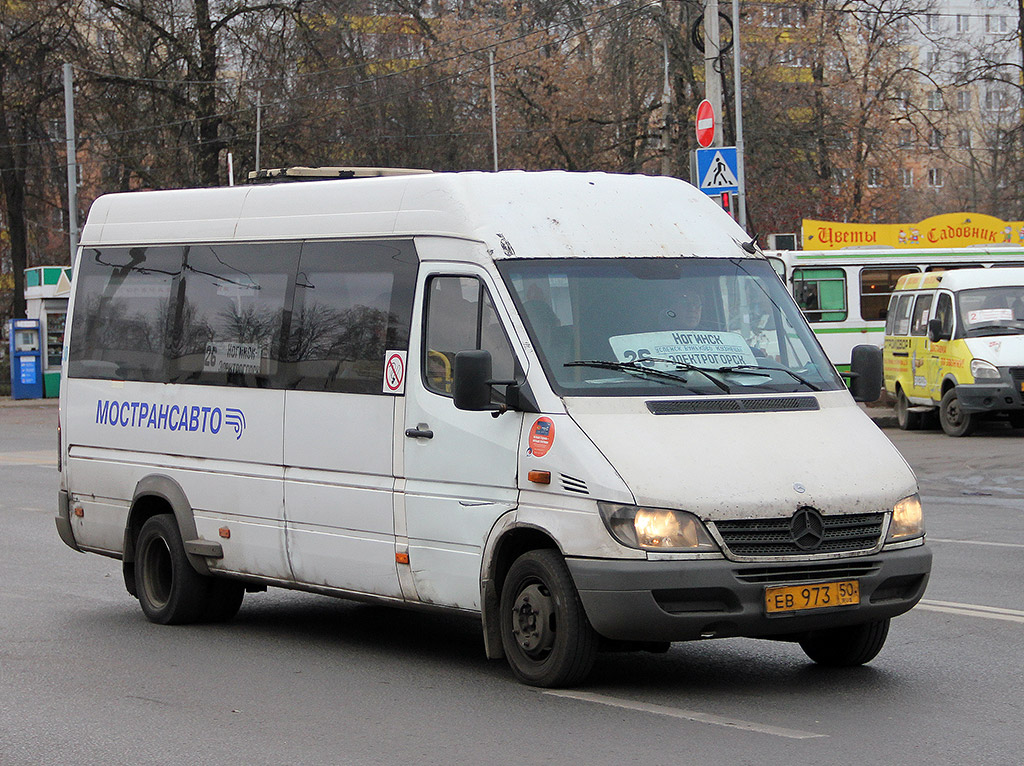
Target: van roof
(515, 213)
(962, 279)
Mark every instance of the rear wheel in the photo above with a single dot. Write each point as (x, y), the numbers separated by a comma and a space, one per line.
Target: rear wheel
(170, 591)
(955, 422)
(545, 632)
(846, 647)
(907, 420)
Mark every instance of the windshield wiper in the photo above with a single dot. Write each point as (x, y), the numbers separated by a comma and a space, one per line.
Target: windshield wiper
(641, 368)
(754, 369)
(1001, 329)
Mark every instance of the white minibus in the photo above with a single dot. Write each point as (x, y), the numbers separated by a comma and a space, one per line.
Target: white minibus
(844, 294)
(579, 405)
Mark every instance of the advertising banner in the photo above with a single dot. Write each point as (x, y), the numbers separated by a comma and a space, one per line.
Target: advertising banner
(947, 230)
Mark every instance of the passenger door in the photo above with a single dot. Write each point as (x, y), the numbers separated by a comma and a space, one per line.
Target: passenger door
(351, 312)
(460, 467)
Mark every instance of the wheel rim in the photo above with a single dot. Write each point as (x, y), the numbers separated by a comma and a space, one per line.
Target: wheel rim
(157, 572)
(953, 413)
(533, 623)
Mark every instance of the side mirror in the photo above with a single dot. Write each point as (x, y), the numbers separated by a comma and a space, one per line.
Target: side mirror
(935, 330)
(472, 381)
(866, 373)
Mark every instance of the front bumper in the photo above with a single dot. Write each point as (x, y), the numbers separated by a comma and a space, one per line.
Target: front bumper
(685, 600)
(990, 397)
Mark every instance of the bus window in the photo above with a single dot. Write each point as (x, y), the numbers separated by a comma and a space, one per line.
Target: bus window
(919, 324)
(821, 294)
(876, 285)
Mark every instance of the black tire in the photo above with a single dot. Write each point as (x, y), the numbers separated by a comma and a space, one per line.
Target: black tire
(170, 591)
(907, 420)
(1016, 419)
(846, 647)
(546, 635)
(955, 422)
(224, 600)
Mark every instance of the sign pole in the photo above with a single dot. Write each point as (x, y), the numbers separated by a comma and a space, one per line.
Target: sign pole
(712, 55)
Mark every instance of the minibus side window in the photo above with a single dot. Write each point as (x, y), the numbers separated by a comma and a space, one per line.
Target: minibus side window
(352, 304)
(944, 313)
(228, 327)
(460, 316)
(876, 285)
(903, 309)
(821, 294)
(124, 308)
(919, 323)
(890, 314)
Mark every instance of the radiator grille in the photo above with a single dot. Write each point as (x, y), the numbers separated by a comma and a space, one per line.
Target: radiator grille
(774, 537)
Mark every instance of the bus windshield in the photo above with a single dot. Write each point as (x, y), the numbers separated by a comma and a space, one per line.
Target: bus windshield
(666, 326)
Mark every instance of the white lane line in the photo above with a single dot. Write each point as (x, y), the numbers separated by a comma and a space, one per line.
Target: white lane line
(975, 542)
(972, 610)
(689, 715)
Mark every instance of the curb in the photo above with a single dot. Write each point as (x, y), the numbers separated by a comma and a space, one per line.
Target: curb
(6, 401)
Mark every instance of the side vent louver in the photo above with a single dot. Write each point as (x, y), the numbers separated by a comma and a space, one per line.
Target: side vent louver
(571, 484)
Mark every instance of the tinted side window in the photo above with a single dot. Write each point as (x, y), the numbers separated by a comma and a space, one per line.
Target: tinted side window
(890, 315)
(919, 323)
(353, 302)
(123, 312)
(944, 313)
(461, 317)
(903, 310)
(228, 329)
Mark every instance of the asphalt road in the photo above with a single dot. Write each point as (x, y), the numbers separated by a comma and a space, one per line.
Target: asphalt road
(302, 679)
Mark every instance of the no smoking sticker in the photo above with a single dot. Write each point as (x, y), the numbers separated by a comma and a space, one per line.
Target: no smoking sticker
(542, 436)
(394, 372)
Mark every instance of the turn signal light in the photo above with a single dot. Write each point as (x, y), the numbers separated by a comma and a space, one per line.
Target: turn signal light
(539, 477)
(224, 532)
(402, 558)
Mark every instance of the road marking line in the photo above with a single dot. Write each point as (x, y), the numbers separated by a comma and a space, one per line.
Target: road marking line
(689, 715)
(972, 610)
(38, 457)
(974, 542)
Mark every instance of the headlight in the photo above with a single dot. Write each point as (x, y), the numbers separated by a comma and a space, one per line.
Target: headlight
(656, 529)
(982, 370)
(907, 519)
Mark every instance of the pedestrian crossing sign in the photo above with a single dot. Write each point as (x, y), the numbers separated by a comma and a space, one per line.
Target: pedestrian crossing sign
(716, 170)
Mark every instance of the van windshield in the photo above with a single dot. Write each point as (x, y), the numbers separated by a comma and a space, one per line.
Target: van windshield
(666, 326)
(991, 311)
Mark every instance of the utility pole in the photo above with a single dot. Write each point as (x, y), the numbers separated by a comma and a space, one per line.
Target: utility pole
(741, 202)
(712, 64)
(494, 110)
(69, 125)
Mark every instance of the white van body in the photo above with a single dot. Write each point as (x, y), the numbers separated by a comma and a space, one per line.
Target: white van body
(207, 446)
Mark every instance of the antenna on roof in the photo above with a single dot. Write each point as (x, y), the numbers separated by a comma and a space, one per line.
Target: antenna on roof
(277, 175)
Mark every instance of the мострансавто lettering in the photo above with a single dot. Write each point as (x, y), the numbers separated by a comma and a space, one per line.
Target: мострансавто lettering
(169, 417)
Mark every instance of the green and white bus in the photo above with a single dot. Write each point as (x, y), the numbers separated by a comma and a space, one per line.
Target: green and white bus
(844, 293)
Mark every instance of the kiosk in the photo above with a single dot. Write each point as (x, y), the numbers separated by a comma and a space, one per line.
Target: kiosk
(26, 359)
(47, 289)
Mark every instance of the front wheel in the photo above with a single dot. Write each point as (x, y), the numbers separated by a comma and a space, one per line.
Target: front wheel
(846, 647)
(546, 635)
(955, 422)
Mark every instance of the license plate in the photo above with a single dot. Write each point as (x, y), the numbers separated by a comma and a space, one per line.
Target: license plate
(798, 598)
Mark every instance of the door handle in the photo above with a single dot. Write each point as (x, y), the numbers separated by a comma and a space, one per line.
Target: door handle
(420, 432)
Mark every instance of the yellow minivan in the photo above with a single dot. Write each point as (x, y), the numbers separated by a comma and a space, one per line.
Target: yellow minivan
(954, 346)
